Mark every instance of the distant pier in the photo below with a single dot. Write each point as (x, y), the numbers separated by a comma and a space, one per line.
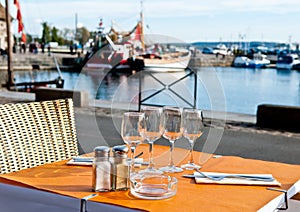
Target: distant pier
(211, 60)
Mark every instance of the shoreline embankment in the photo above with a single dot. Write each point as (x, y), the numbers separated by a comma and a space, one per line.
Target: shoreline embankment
(39, 61)
(45, 61)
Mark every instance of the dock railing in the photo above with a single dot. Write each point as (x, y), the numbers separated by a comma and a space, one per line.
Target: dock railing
(166, 86)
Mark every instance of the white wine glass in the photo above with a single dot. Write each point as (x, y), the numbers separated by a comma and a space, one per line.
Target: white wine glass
(132, 132)
(172, 132)
(153, 131)
(192, 125)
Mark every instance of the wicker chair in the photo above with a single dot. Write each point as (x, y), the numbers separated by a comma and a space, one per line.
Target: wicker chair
(32, 134)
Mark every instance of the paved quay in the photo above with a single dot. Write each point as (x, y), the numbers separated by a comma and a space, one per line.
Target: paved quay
(44, 61)
(99, 125)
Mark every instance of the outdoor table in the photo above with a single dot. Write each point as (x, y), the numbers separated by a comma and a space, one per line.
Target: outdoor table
(60, 180)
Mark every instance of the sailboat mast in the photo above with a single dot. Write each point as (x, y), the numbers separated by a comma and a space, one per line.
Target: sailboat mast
(10, 80)
(142, 27)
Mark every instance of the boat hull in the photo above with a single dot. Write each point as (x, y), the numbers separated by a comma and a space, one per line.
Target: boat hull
(167, 64)
(287, 62)
(116, 63)
(254, 64)
(245, 62)
(286, 66)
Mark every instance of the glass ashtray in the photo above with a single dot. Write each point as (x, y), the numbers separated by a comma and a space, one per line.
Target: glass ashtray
(152, 186)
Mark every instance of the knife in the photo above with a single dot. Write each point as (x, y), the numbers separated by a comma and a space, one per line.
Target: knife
(83, 159)
(247, 177)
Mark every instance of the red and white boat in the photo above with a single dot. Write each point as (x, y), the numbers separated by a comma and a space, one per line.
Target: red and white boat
(132, 53)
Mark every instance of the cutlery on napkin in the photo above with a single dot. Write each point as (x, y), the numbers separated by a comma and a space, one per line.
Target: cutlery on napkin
(88, 161)
(239, 179)
(83, 161)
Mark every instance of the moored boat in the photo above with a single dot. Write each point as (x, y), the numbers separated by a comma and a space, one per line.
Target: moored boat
(114, 57)
(241, 61)
(287, 61)
(258, 61)
(131, 52)
(176, 61)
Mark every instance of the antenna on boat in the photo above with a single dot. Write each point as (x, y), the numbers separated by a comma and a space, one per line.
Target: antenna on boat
(142, 27)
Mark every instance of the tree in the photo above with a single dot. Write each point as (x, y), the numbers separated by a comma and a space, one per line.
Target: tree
(64, 36)
(29, 38)
(83, 35)
(46, 37)
(67, 35)
(55, 37)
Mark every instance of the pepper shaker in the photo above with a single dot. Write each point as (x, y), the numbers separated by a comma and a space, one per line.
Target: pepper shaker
(101, 169)
(120, 168)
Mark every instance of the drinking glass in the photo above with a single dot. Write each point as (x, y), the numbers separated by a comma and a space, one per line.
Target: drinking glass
(132, 132)
(153, 131)
(172, 132)
(192, 129)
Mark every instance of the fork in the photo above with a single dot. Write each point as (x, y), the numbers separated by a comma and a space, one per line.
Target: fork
(248, 177)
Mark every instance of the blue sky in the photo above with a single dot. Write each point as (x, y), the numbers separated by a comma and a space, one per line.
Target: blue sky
(186, 20)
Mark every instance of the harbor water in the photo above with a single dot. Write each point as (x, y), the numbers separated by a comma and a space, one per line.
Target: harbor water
(237, 90)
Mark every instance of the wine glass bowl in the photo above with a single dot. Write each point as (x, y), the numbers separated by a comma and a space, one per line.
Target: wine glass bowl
(152, 131)
(153, 126)
(132, 131)
(172, 132)
(192, 125)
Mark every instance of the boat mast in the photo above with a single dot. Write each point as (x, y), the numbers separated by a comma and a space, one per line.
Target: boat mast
(142, 27)
(10, 80)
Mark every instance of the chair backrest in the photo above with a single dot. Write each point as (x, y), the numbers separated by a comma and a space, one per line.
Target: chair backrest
(36, 133)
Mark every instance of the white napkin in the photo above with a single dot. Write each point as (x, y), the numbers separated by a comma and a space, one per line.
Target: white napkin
(82, 161)
(235, 181)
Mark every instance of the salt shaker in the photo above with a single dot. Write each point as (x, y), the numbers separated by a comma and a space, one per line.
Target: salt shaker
(120, 168)
(101, 169)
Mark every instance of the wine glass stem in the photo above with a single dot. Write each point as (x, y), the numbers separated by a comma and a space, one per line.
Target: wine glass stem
(151, 164)
(192, 142)
(132, 148)
(171, 163)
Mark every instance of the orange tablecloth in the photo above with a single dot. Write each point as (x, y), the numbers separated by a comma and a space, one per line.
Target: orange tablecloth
(75, 181)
